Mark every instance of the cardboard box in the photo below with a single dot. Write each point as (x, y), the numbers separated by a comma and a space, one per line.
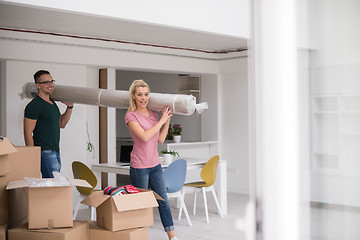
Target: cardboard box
(3, 230)
(6, 148)
(4, 205)
(98, 233)
(26, 162)
(79, 231)
(18, 207)
(49, 206)
(13, 204)
(122, 212)
(30, 160)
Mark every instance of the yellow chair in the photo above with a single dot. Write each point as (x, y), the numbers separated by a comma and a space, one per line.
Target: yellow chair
(81, 171)
(208, 175)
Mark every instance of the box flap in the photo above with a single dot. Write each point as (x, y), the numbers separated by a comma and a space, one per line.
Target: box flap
(134, 201)
(79, 183)
(16, 184)
(24, 183)
(6, 147)
(157, 196)
(95, 199)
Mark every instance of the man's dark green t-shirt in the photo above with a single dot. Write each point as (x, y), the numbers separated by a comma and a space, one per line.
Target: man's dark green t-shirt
(47, 129)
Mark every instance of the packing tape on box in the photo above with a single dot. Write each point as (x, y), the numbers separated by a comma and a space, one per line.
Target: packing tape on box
(181, 104)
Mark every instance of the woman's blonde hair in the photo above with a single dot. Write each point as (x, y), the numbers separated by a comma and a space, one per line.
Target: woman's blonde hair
(135, 84)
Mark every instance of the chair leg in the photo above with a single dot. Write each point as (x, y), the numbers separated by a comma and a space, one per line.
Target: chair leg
(182, 204)
(180, 212)
(205, 204)
(182, 194)
(194, 209)
(216, 200)
(93, 214)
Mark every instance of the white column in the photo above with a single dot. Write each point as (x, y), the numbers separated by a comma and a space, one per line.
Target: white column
(276, 129)
(223, 186)
(3, 98)
(111, 112)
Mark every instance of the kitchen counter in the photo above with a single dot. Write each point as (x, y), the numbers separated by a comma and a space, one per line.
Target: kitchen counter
(205, 149)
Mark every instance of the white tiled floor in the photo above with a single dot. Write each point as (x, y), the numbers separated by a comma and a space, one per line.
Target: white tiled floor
(218, 228)
(332, 222)
(325, 222)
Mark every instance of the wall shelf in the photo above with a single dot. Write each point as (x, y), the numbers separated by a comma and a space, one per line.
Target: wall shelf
(190, 84)
(335, 130)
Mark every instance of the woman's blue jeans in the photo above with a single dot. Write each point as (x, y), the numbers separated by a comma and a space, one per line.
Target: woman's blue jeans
(50, 161)
(153, 178)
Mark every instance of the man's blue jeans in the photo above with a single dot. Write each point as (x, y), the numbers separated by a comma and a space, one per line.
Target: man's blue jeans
(153, 178)
(50, 161)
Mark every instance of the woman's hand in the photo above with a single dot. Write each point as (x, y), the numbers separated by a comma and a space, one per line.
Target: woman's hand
(167, 114)
(162, 125)
(165, 122)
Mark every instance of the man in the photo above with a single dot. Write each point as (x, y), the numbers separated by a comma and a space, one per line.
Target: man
(42, 123)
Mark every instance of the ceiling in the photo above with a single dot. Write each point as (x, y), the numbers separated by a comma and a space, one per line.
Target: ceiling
(75, 24)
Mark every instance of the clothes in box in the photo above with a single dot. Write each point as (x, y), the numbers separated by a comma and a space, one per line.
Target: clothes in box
(96, 233)
(122, 212)
(79, 231)
(49, 206)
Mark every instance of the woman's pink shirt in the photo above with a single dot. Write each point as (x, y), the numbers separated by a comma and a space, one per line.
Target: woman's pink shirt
(144, 154)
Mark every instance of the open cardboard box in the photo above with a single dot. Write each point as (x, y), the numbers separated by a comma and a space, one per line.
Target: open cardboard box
(49, 206)
(6, 148)
(122, 212)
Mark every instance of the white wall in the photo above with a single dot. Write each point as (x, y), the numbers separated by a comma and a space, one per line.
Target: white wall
(233, 119)
(209, 94)
(333, 29)
(2, 98)
(335, 70)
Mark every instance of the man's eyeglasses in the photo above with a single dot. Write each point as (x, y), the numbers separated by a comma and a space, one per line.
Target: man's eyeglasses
(47, 82)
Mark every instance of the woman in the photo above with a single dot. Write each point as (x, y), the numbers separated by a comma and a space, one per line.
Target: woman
(146, 131)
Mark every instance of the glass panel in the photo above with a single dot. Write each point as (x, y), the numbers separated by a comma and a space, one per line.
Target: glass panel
(329, 36)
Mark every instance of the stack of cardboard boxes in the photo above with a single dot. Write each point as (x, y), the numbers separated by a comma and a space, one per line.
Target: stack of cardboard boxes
(15, 163)
(50, 211)
(23, 209)
(45, 212)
